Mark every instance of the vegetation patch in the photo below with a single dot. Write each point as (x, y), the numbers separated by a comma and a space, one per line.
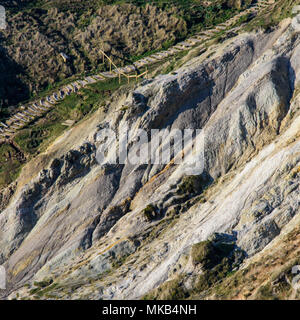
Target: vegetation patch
(218, 259)
(267, 19)
(208, 254)
(151, 212)
(170, 290)
(43, 284)
(11, 162)
(43, 288)
(38, 135)
(194, 185)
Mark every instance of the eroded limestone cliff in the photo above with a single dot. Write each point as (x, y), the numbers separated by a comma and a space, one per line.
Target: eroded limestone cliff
(78, 229)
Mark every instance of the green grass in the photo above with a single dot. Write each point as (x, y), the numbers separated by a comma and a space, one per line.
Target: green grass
(174, 63)
(216, 262)
(37, 136)
(193, 185)
(150, 212)
(170, 290)
(270, 18)
(43, 288)
(9, 167)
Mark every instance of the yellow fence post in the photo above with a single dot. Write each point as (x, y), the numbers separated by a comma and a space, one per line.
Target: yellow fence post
(117, 69)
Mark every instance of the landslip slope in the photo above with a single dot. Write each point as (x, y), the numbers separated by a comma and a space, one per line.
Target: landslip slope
(79, 229)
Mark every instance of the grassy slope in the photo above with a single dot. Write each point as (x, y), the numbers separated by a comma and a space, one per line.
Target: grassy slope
(282, 9)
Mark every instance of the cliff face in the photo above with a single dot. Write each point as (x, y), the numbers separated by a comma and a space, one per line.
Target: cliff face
(121, 231)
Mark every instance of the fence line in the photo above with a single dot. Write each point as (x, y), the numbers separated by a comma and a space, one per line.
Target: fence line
(121, 73)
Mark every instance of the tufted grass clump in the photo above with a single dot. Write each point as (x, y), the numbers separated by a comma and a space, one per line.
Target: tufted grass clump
(217, 260)
(43, 284)
(150, 212)
(194, 185)
(208, 254)
(170, 290)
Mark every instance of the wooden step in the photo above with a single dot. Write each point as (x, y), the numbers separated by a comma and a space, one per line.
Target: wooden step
(90, 80)
(108, 74)
(31, 108)
(75, 86)
(98, 77)
(49, 100)
(32, 116)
